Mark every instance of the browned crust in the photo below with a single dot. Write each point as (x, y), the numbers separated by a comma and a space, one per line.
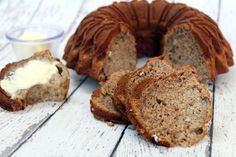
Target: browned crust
(137, 122)
(87, 47)
(18, 104)
(134, 73)
(103, 113)
(10, 104)
(118, 97)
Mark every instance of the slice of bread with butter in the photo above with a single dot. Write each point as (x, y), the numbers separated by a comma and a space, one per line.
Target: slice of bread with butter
(29, 81)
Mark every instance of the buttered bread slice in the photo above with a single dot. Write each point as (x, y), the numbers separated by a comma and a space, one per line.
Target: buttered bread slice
(36, 79)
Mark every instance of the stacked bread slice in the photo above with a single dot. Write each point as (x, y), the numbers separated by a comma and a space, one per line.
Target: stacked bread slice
(101, 102)
(167, 106)
(155, 67)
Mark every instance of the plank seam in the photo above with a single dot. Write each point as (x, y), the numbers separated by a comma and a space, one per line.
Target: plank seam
(118, 142)
(212, 120)
(123, 132)
(213, 97)
(46, 119)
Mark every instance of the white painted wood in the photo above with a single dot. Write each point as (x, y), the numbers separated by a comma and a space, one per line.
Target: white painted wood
(227, 21)
(224, 135)
(15, 128)
(15, 13)
(95, 141)
(73, 131)
(134, 144)
(50, 12)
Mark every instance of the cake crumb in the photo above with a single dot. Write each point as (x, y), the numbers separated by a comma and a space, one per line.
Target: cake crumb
(109, 53)
(110, 124)
(141, 73)
(155, 137)
(187, 119)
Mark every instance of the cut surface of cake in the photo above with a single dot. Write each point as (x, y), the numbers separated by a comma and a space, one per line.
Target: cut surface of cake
(155, 67)
(173, 110)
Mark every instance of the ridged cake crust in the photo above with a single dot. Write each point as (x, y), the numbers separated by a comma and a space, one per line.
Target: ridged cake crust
(150, 24)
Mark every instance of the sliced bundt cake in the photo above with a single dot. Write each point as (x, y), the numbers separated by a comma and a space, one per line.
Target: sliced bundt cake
(101, 101)
(155, 67)
(173, 110)
(113, 36)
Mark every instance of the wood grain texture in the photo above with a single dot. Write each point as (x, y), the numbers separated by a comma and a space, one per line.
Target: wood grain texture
(224, 134)
(73, 131)
(14, 14)
(17, 127)
(69, 129)
(51, 12)
(93, 137)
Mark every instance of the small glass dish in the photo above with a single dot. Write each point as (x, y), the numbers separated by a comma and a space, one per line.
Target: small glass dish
(30, 39)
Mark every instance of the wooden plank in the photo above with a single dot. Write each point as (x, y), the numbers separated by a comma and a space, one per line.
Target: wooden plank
(73, 131)
(224, 135)
(85, 135)
(14, 14)
(17, 127)
(134, 144)
(51, 12)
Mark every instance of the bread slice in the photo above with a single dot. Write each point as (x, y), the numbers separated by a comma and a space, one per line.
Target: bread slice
(101, 101)
(29, 81)
(174, 110)
(155, 67)
(182, 49)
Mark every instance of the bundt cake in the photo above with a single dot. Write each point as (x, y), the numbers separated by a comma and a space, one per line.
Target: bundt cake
(114, 36)
(173, 110)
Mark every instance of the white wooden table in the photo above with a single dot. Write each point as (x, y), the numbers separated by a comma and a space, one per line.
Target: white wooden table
(69, 129)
